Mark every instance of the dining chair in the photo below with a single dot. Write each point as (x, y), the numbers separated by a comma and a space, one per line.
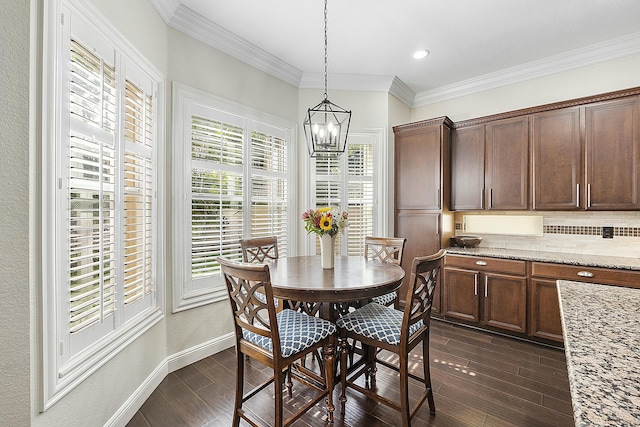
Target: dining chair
(259, 248)
(274, 338)
(385, 249)
(381, 327)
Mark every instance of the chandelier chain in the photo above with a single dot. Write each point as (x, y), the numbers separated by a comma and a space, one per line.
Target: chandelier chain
(325, 50)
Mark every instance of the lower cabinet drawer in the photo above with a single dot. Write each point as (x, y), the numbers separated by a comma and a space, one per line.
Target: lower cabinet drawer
(586, 274)
(494, 265)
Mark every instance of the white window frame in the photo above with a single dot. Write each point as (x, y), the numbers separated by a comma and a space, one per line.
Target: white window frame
(62, 370)
(188, 293)
(381, 180)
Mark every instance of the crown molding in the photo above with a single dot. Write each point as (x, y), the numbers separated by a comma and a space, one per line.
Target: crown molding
(166, 8)
(346, 82)
(391, 84)
(198, 27)
(600, 52)
(193, 24)
(403, 92)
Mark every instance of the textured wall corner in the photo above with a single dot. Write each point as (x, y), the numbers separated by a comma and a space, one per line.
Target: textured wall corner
(15, 357)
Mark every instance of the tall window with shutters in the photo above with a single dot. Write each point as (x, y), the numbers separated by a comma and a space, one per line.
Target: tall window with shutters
(348, 182)
(232, 171)
(102, 156)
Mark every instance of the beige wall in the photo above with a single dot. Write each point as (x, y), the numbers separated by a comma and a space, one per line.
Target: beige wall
(15, 282)
(608, 76)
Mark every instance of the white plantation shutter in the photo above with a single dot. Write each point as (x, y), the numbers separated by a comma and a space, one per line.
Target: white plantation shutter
(269, 188)
(91, 193)
(216, 194)
(138, 193)
(99, 212)
(330, 189)
(347, 182)
(360, 168)
(233, 174)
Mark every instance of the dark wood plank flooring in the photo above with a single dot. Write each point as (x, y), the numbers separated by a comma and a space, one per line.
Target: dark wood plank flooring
(479, 379)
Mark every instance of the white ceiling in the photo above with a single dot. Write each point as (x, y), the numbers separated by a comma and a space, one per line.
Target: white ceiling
(474, 44)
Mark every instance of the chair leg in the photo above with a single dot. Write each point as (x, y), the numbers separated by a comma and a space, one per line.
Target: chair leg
(404, 390)
(426, 366)
(289, 382)
(371, 353)
(278, 386)
(239, 388)
(344, 353)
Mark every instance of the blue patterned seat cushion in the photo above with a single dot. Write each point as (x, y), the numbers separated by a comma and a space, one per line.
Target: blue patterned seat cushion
(377, 322)
(298, 331)
(263, 298)
(385, 299)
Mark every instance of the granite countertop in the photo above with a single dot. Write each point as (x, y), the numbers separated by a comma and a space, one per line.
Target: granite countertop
(601, 329)
(619, 262)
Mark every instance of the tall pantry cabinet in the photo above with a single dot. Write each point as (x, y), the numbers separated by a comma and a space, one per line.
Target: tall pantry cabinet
(422, 187)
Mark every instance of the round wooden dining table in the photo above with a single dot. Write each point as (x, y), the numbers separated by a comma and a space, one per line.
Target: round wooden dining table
(353, 278)
(303, 284)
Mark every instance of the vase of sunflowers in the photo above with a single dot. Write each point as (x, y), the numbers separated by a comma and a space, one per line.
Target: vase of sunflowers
(326, 223)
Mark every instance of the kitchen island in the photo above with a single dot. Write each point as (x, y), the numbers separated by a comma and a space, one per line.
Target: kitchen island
(601, 330)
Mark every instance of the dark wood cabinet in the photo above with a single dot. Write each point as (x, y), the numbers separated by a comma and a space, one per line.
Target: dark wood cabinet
(612, 150)
(585, 154)
(544, 310)
(493, 294)
(505, 302)
(557, 172)
(460, 299)
(507, 164)
(422, 185)
(419, 168)
(467, 168)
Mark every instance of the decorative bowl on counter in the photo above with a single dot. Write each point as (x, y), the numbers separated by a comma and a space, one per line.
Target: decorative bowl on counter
(466, 241)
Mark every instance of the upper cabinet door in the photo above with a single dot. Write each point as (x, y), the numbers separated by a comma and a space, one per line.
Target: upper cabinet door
(613, 155)
(467, 168)
(506, 176)
(418, 168)
(558, 177)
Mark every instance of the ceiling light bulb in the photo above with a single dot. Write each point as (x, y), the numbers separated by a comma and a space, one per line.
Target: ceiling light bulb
(420, 54)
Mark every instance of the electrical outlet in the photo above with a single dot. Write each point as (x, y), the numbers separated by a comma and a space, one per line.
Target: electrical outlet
(607, 232)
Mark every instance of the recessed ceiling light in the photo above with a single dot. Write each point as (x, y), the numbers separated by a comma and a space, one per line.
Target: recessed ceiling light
(420, 54)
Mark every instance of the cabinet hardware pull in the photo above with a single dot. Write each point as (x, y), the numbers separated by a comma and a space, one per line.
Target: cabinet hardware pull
(481, 263)
(585, 274)
(491, 198)
(475, 284)
(577, 195)
(482, 198)
(588, 195)
(486, 286)
(439, 203)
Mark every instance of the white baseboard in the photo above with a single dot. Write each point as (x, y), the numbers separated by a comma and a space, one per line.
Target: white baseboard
(169, 364)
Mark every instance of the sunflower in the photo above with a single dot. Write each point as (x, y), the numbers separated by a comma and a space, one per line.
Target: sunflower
(326, 223)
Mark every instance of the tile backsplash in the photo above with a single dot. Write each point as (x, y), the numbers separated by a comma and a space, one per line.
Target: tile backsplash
(571, 232)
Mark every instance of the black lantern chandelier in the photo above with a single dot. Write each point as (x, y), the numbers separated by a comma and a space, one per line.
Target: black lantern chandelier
(326, 125)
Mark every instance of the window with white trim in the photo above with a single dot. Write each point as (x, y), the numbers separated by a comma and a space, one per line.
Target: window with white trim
(100, 178)
(349, 183)
(233, 179)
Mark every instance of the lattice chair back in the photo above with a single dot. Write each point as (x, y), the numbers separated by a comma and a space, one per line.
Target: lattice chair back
(259, 249)
(384, 249)
(253, 314)
(422, 285)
